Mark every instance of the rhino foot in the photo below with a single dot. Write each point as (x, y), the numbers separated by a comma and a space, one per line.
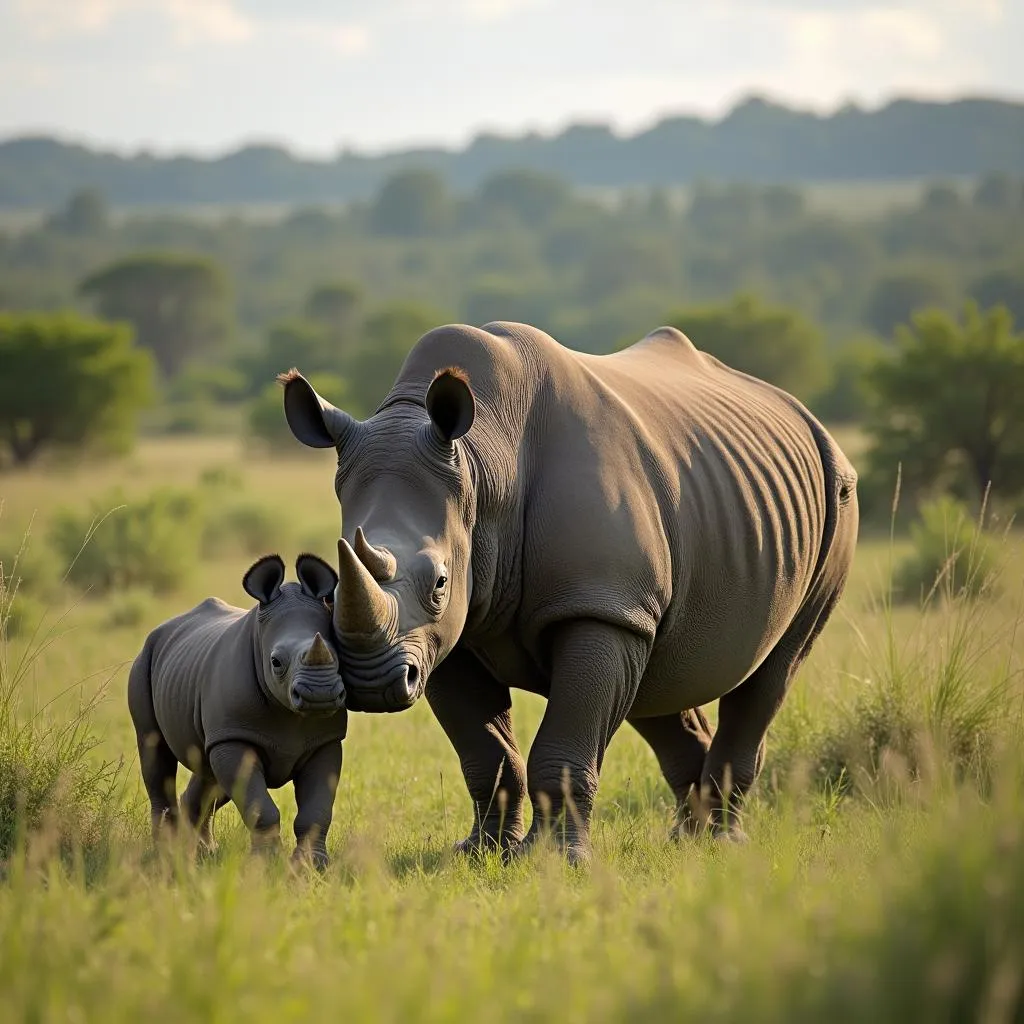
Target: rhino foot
(478, 844)
(574, 848)
(316, 858)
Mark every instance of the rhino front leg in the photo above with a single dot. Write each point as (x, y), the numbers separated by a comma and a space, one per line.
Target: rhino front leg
(316, 784)
(680, 742)
(201, 799)
(475, 711)
(239, 772)
(595, 672)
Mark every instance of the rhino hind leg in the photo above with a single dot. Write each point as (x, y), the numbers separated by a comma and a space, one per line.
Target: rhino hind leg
(680, 743)
(158, 764)
(737, 752)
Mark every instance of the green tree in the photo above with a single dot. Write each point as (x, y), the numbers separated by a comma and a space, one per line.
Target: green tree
(411, 204)
(1002, 287)
(289, 343)
(997, 192)
(85, 213)
(68, 382)
(177, 303)
(896, 296)
(771, 342)
(847, 399)
(533, 197)
(335, 307)
(946, 404)
(385, 341)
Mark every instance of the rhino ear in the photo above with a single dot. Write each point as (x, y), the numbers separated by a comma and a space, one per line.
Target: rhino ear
(450, 403)
(263, 580)
(312, 419)
(317, 578)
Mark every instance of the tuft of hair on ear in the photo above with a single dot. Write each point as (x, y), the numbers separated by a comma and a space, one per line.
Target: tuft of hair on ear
(288, 376)
(451, 371)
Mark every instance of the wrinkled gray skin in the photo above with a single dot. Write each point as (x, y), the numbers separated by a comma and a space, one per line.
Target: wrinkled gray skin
(630, 535)
(248, 700)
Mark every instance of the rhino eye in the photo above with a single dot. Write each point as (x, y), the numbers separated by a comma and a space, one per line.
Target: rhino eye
(442, 582)
(275, 663)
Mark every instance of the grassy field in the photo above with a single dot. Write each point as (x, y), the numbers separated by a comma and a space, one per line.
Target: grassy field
(884, 880)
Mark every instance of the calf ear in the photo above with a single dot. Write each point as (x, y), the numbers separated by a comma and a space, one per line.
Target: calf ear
(450, 403)
(263, 580)
(316, 577)
(312, 419)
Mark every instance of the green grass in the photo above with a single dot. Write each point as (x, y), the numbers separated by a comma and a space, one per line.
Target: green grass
(884, 880)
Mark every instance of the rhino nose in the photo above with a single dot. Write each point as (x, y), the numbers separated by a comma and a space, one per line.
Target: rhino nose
(394, 690)
(309, 698)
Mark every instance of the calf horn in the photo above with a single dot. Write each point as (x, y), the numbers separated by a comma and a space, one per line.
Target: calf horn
(362, 609)
(379, 561)
(318, 654)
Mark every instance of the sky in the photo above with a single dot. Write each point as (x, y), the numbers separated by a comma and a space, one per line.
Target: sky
(205, 76)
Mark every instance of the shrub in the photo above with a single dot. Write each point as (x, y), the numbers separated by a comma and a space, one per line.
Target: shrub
(129, 609)
(245, 527)
(29, 569)
(117, 542)
(935, 699)
(48, 776)
(951, 555)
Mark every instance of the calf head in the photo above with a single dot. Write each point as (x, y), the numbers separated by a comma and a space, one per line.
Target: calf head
(294, 651)
(408, 510)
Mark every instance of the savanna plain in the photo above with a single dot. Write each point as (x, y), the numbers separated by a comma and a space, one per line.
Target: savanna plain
(884, 879)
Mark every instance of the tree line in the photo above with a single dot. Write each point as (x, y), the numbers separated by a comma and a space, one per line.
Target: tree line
(756, 141)
(903, 323)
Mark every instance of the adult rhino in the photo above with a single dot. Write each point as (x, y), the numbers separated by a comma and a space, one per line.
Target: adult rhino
(630, 535)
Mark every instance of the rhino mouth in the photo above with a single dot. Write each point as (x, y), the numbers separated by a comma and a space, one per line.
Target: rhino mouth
(393, 683)
(317, 694)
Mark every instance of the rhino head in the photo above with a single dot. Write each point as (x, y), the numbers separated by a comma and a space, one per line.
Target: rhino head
(408, 509)
(296, 663)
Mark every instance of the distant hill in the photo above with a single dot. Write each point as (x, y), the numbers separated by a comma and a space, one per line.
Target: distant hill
(757, 141)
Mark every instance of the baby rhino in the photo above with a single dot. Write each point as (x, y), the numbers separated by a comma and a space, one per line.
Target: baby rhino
(249, 700)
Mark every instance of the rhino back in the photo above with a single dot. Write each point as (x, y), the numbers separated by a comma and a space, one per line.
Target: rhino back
(208, 646)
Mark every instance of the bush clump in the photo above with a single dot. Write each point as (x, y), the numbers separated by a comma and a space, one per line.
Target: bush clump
(49, 778)
(118, 542)
(951, 555)
(246, 527)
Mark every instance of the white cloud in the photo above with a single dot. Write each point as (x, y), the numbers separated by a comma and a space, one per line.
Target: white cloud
(191, 21)
(349, 39)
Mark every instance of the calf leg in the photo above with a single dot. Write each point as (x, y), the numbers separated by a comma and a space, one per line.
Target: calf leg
(596, 669)
(475, 711)
(239, 772)
(201, 799)
(316, 784)
(680, 742)
(158, 764)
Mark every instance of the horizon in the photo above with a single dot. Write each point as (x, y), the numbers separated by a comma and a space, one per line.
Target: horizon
(207, 77)
(129, 151)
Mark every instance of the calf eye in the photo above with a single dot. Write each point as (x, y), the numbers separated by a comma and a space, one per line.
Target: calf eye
(275, 663)
(442, 582)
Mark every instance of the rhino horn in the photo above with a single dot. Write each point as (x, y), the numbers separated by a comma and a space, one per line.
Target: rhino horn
(361, 609)
(379, 561)
(318, 654)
